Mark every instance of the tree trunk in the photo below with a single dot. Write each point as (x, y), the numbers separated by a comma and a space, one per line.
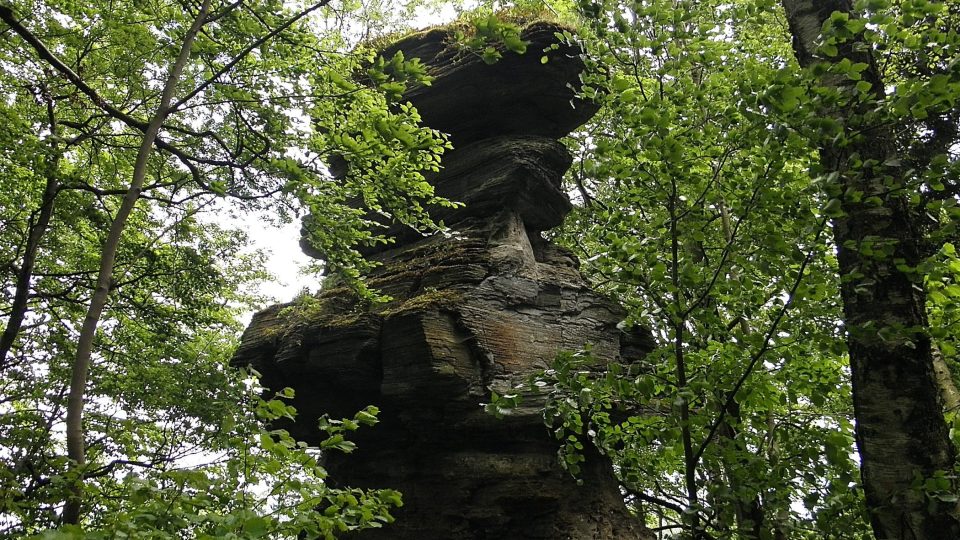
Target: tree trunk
(81, 365)
(948, 390)
(692, 518)
(901, 432)
(38, 227)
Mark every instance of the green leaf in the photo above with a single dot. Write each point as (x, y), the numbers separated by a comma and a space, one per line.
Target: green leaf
(255, 527)
(491, 55)
(515, 44)
(829, 50)
(834, 208)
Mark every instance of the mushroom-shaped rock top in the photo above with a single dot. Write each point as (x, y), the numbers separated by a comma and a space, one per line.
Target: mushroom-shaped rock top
(504, 119)
(518, 95)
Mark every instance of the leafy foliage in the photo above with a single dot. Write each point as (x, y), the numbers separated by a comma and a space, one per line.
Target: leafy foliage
(702, 208)
(698, 212)
(174, 441)
(720, 246)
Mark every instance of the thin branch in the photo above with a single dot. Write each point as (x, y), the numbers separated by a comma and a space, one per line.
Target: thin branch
(728, 248)
(214, 17)
(731, 396)
(243, 54)
(657, 501)
(109, 467)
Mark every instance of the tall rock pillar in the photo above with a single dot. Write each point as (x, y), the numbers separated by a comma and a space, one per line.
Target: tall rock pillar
(475, 312)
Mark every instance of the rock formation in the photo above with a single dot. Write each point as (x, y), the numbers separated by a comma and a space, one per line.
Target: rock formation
(475, 312)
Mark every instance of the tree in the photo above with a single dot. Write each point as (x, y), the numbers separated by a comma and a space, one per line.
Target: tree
(701, 219)
(131, 153)
(689, 183)
(902, 437)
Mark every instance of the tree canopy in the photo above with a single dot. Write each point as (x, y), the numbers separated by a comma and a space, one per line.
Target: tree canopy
(771, 188)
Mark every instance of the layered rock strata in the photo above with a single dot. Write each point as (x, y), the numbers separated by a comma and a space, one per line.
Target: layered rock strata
(480, 310)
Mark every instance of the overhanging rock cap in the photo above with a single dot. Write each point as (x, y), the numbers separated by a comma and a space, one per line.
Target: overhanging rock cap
(517, 95)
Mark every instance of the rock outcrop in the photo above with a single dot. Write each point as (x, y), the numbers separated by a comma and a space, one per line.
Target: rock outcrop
(475, 312)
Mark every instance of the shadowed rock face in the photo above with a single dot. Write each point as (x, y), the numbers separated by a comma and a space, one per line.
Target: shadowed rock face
(475, 312)
(518, 95)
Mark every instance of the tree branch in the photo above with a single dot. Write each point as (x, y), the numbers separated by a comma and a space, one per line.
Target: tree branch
(731, 396)
(246, 51)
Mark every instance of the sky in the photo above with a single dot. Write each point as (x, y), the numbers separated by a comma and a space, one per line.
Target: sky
(285, 259)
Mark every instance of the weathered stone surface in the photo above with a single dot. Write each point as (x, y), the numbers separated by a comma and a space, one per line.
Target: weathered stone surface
(460, 327)
(479, 311)
(519, 174)
(517, 95)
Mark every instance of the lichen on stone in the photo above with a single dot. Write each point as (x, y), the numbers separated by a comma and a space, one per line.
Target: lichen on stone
(428, 299)
(333, 308)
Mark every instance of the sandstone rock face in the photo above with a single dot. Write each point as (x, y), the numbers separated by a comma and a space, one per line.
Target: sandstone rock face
(475, 312)
(516, 96)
